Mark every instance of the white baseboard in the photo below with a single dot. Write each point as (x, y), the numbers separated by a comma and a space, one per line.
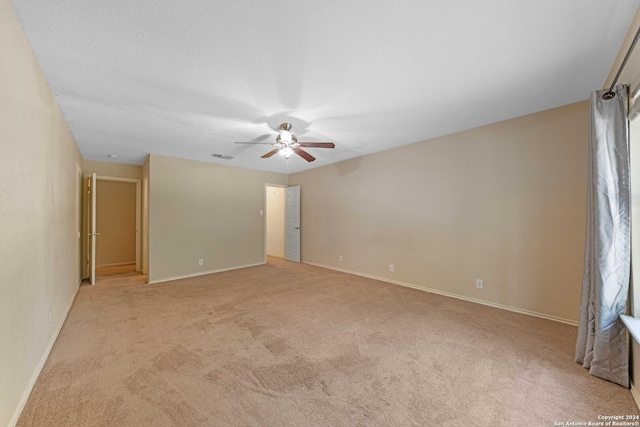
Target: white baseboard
(636, 394)
(451, 295)
(203, 273)
(43, 360)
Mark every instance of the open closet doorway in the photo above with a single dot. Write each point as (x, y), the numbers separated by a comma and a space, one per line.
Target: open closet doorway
(113, 227)
(275, 221)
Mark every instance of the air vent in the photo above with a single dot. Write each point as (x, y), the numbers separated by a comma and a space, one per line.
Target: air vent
(222, 156)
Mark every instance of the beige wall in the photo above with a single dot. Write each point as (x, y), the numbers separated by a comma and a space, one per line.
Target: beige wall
(110, 169)
(275, 221)
(116, 222)
(504, 203)
(40, 171)
(204, 211)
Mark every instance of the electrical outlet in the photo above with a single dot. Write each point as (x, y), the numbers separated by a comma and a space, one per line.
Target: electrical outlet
(200, 262)
(340, 258)
(261, 212)
(479, 283)
(392, 268)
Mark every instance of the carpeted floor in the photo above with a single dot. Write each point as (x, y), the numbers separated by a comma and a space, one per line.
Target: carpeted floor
(287, 344)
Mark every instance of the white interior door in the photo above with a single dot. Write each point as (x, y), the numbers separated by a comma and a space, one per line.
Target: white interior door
(93, 234)
(292, 243)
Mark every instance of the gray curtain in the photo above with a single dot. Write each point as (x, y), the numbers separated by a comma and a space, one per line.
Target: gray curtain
(602, 345)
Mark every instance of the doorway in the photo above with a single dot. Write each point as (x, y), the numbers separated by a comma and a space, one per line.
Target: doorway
(116, 223)
(275, 221)
(116, 233)
(282, 222)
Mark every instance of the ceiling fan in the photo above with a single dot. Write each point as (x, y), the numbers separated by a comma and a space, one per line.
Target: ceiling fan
(287, 144)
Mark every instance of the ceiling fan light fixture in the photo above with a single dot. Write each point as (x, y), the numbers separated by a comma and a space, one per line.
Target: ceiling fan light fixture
(294, 142)
(286, 152)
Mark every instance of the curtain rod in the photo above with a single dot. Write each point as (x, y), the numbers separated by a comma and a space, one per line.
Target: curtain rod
(610, 94)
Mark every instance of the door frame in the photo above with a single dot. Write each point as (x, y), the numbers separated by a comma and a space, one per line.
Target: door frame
(138, 216)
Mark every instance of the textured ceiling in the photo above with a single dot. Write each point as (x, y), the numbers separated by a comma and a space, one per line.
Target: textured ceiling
(189, 78)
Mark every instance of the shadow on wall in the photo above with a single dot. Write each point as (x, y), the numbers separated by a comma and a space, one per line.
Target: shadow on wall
(348, 166)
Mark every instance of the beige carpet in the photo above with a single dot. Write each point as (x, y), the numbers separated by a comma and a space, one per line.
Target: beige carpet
(286, 344)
